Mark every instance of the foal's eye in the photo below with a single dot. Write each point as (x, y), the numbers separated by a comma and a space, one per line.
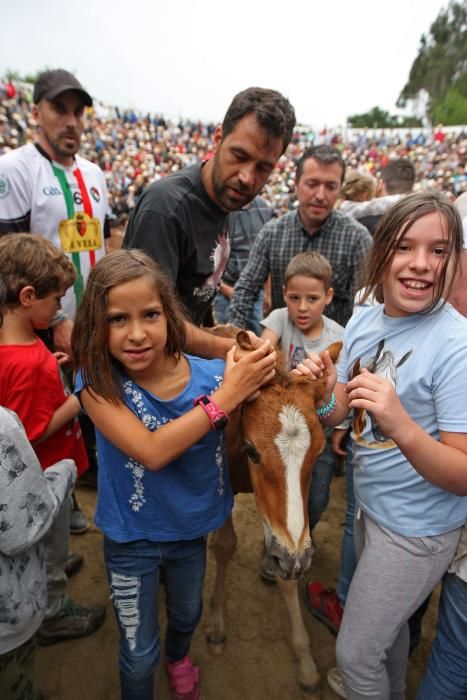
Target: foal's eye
(251, 453)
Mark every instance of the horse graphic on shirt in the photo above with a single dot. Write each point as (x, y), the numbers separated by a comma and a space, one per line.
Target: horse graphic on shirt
(385, 365)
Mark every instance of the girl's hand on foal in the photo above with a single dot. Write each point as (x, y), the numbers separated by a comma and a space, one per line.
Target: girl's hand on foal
(246, 375)
(378, 396)
(314, 367)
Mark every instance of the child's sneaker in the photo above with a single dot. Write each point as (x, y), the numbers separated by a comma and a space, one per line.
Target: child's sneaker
(79, 524)
(78, 521)
(324, 604)
(72, 622)
(183, 679)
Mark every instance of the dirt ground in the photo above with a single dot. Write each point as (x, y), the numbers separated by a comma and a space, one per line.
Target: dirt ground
(257, 664)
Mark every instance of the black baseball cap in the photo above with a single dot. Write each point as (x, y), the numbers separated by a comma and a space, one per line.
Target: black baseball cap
(52, 83)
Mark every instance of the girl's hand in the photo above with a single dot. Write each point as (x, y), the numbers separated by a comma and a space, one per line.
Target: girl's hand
(243, 378)
(378, 396)
(338, 438)
(314, 366)
(61, 357)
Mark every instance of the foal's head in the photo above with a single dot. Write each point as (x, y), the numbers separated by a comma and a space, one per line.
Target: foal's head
(281, 439)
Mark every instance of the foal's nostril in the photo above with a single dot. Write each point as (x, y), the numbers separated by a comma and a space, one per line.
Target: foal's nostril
(281, 567)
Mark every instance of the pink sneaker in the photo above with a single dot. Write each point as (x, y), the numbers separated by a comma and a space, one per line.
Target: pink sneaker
(183, 679)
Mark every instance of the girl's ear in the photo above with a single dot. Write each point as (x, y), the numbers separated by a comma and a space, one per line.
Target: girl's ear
(27, 295)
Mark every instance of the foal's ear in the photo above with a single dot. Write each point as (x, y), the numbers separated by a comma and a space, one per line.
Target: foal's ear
(334, 350)
(243, 341)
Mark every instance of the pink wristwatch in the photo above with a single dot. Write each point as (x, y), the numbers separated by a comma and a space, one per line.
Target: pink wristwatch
(218, 418)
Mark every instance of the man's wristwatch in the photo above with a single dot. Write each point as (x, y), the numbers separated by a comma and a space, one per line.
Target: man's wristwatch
(218, 418)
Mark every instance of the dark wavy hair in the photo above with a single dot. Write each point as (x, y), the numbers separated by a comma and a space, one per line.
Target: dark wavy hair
(272, 110)
(395, 224)
(102, 372)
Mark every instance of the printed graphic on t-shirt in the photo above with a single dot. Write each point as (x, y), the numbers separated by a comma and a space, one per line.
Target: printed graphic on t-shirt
(385, 365)
(219, 257)
(296, 355)
(80, 233)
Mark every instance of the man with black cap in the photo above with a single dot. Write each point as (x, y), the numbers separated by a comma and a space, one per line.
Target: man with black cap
(46, 188)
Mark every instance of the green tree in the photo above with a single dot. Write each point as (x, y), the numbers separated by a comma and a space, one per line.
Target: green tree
(378, 118)
(440, 67)
(23, 77)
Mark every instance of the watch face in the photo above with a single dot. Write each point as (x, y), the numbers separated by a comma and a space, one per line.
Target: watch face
(221, 422)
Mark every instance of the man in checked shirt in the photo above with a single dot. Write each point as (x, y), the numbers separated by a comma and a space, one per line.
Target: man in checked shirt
(314, 225)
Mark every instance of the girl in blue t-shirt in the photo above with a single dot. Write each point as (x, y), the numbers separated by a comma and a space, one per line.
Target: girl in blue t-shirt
(403, 372)
(163, 478)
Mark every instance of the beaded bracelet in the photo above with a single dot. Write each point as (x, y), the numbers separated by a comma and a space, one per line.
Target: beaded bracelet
(328, 409)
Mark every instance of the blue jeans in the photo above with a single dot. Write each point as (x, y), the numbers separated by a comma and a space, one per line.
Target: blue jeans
(446, 673)
(133, 569)
(348, 561)
(221, 307)
(321, 476)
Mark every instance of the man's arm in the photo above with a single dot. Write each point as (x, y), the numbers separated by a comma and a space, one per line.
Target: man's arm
(458, 296)
(205, 344)
(226, 290)
(251, 280)
(16, 194)
(63, 415)
(361, 248)
(61, 332)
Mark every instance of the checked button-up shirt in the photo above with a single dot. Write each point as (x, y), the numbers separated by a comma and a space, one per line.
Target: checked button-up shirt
(341, 239)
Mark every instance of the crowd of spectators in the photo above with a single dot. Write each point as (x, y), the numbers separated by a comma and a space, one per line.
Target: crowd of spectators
(133, 149)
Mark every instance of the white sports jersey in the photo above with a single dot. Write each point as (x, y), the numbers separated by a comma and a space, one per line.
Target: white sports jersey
(33, 198)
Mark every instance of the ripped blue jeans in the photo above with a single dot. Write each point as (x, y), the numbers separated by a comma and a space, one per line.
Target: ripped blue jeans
(134, 570)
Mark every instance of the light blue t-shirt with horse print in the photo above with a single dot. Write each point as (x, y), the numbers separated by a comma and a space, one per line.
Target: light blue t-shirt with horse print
(424, 356)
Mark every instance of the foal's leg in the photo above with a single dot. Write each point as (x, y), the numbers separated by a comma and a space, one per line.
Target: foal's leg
(308, 675)
(225, 541)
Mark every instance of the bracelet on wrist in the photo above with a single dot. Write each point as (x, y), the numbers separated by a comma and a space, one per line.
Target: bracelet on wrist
(328, 409)
(217, 417)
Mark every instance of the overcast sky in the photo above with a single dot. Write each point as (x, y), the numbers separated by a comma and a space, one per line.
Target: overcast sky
(331, 58)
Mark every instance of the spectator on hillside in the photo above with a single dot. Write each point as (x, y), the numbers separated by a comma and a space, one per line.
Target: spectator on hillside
(397, 180)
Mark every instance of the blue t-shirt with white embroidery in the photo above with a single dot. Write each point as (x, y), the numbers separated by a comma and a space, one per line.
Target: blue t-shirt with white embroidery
(188, 498)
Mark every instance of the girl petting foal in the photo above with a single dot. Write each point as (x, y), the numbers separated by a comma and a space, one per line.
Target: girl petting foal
(403, 372)
(163, 479)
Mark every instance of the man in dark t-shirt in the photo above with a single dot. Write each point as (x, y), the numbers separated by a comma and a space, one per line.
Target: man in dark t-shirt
(181, 220)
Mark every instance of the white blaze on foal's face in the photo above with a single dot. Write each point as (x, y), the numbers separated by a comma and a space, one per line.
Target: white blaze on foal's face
(293, 442)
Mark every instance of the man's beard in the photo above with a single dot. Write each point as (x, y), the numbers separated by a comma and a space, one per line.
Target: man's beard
(221, 191)
(57, 147)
